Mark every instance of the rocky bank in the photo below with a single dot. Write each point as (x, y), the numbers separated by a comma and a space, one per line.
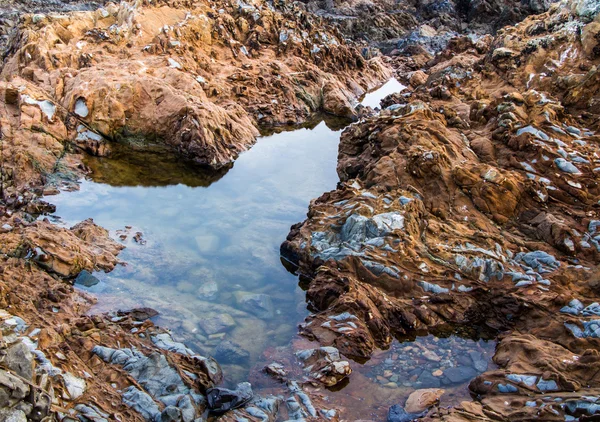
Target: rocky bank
(470, 199)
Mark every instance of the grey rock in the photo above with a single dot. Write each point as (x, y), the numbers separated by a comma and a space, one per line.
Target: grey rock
(216, 323)
(19, 359)
(85, 278)
(208, 290)
(165, 341)
(75, 385)
(230, 352)
(142, 403)
(221, 400)
(547, 385)
(12, 388)
(574, 308)
(479, 362)
(91, 413)
(426, 380)
(155, 375)
(528, 380)
(538, 260)
(258, 304)
(396, 413)
(170, 414)
(12, 415)
(460, 374)
(566, 166)
(507, 388)
(591, 310)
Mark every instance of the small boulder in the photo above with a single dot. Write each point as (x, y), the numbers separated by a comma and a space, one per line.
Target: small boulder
(221, 400)
(421, 400)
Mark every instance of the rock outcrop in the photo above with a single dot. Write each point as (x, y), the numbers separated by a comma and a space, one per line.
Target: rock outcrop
(472, 199)
(198, 77)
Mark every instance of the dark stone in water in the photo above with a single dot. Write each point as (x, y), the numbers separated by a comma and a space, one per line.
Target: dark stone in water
(460, 374)
(428, 381)
(230, 352)
(140, 314)
(85, 278)
(221, 400)
(398, 414)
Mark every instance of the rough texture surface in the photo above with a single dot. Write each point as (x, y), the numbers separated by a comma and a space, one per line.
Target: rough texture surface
(197, 77)
(472, 200)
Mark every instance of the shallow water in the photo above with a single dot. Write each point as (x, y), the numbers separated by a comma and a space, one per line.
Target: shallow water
(372, 99)
(209, 262)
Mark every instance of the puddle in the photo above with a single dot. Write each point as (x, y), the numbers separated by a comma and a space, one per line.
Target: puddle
(208, 259)
(372, 98)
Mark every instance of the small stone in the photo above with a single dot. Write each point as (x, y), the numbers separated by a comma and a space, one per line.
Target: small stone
(421, 400)
(216, 324)
(85, 278)
(437, 373)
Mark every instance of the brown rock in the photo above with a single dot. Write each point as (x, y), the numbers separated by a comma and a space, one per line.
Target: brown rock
(421, 400)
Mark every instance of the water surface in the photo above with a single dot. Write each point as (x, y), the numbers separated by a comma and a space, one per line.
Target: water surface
(207, 257)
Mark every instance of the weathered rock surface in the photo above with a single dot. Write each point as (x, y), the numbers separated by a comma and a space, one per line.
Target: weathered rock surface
(472, 200)
(198, 78)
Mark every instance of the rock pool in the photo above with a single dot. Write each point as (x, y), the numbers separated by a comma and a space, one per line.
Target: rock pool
(203, 250)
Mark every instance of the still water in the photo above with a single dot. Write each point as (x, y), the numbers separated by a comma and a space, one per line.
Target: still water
(207, 255)
(209, 260)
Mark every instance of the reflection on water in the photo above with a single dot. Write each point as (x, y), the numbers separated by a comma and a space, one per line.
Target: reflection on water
(372, 99)
(150, 167)
(211, 263)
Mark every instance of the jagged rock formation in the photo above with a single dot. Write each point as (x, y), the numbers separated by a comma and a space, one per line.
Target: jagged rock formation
(472, 199)
(196, 76)
(406, 27)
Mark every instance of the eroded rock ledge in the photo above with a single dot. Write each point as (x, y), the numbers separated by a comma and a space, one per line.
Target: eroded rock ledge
(196, 76)
(472, 199)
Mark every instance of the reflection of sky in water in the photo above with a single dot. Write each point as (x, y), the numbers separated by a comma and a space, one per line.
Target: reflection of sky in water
(390, 87)
(223, 237)
(212, 239)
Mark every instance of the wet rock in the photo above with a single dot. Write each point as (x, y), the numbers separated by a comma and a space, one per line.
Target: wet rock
(324, 365)
(421, 400)
(221, 400)
(141, 314)
(216, 323)
(258, 304)
(230, 352)
(86, 279)
(460, 374)
(276, 370)
(397, 413)
(208, 290)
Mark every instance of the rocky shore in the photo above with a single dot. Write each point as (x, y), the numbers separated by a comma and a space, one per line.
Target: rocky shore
(470, 199)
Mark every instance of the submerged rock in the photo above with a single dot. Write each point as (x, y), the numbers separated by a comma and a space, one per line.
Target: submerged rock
(221, 400)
